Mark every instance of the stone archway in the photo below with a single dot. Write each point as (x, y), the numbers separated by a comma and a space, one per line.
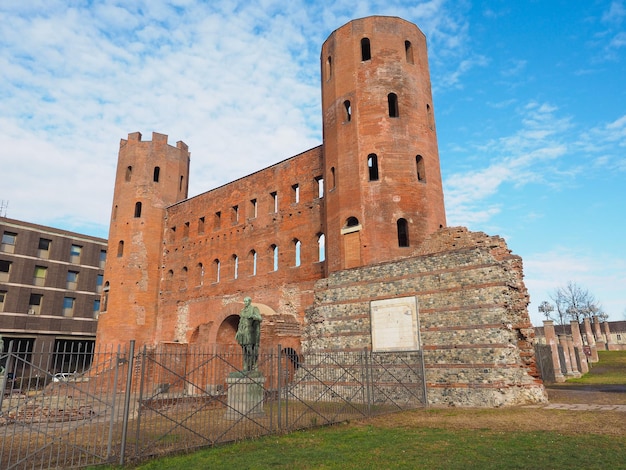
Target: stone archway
(226, 332)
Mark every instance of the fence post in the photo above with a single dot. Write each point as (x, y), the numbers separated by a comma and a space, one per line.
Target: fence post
(115, 378)
(367, 382)
(279, 390)
(140, 398)
(129, 382)
(6, 374)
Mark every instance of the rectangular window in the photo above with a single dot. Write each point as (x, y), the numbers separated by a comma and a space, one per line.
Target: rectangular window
(218, 220)
(186, 229)
(34, 304)
(72, 280)
(68, 306)
(5, 270)
(103, 258)
(320, 186)
(40, 275)
(296, 193)
(96, 308)
(235, 214)
(3, 296)
(43, 250)
(8, 242)
(253, 208)
(75, 252)
(201, 225)
(99, 282)
(274, 196)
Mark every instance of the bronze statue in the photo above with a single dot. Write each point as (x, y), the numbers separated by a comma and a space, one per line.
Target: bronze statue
(249, 334)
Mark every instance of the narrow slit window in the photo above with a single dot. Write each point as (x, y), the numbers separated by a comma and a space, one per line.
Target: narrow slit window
(235, 267)
(392, 99)
(253, 208)
(421, 173)
(274, 196)
(296, 193)
(218, 220)
(129, 173)
(321, 247)
(320, 186)
(201, 225)
(329, 68)
(372, 166)
(403, 233)
(186, 229)
(137, 210)
(216, 270)
(235, 214)
(348, 108)
(408, 49)
(298, 248)
(156, 174)
(274, 250)
(429, 114)
(253, 259)
(180, 186)
(333, 179)
(120, 249)
(366, 51)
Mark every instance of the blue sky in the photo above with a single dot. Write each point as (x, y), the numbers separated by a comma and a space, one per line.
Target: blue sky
(529, 100)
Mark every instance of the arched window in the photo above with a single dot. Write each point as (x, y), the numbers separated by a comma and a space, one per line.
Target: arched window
(216, 270)
(346, 104)
(137, 209)
(419, 165)
(297, 245)
(403, 232)
(329, 68)
(392, 99)
(235, 259)
(129, 173)
(408, 49)
(155, 175)
(180, 186)
(120, 249)
(114, 212)
(252, 256)
(431, 121)
(372, 166)
(321, 247)
(274, 250)
(105, 296)
(366, 52)
(352, 222)
(184, 277)
(333, 180)
(200, 274)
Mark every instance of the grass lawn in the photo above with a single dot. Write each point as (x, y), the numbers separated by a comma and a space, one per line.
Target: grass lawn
(446, 438)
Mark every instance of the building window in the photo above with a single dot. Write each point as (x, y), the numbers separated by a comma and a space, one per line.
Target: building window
(348, 108)
(392, 99)
(156, 174)
(184, 277)
(96, 308)
(235, 215)
(99, 283)
(8, 242)
(403, 233)
(216, 270)
(320, 186)
(129, 173)
(329, 68)
(408, 50)
(298, 249)
(105, 296)
(137, 209)
(40, 276)
(372, 166)
(333, 179)
(120, 249)
(3, 296)
(252, 257)
(5, 270)
(43, 249)
(68, 306)
(431, 121)
(72, 280)
(321, 247)
(180, 186)
(103, 258)
(218, 220)
(235, 267)
(34, 304)
(352, 222)
(201, 225)
(186, 229)
(419, 165)
(274, 250)
(296, 193)
(274, 196)
(366, 52)
(75, 252)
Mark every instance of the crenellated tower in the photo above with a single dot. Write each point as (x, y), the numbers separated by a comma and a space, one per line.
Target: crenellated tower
(382, 177)
(151, 175)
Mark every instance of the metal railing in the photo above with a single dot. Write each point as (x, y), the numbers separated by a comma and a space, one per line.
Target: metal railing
(69, 409)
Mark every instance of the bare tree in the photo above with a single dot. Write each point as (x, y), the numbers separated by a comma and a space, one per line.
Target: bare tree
(575, 303)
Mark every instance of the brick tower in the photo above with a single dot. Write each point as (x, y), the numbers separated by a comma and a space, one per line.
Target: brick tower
(381, 163)
(150, 176)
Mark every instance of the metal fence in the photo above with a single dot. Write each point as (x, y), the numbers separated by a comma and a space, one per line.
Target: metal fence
(75, 408)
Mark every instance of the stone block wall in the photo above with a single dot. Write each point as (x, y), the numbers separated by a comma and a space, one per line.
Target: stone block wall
(475, 330)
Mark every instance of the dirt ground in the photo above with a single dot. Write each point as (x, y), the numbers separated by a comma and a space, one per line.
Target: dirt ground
(528, 418)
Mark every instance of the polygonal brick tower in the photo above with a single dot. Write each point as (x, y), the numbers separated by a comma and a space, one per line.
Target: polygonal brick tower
(382, 175)
(150, 176)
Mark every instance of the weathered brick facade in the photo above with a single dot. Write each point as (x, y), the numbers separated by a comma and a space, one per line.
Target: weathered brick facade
(314, 238)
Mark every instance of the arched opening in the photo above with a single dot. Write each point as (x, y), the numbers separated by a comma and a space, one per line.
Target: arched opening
(321, 247)
(392, 100)
(329, 68)
(408, 49)
(137, 209)
(129, 173)
(352, 222)
(120, 249)
(199, 274)
(297, 246)
(348, 108)
(216, 270)
(431, 121)
(252, 257)
(332, 177)
(419, 166)
(235, 266)
(403, 233)
(155, 175)
(227, 331)
(105, 296)
(372, 166)
(184, 277)
(366, 52)
(274, 250)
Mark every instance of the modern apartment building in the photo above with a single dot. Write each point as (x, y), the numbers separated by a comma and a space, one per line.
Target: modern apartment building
(50, 287)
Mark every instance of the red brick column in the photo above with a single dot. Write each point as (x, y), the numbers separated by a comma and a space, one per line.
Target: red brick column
(578, 344)
(591, 341)
(550, 334)
(600, 342)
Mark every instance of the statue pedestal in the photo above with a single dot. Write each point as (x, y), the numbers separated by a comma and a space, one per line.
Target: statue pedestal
(245, 395)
